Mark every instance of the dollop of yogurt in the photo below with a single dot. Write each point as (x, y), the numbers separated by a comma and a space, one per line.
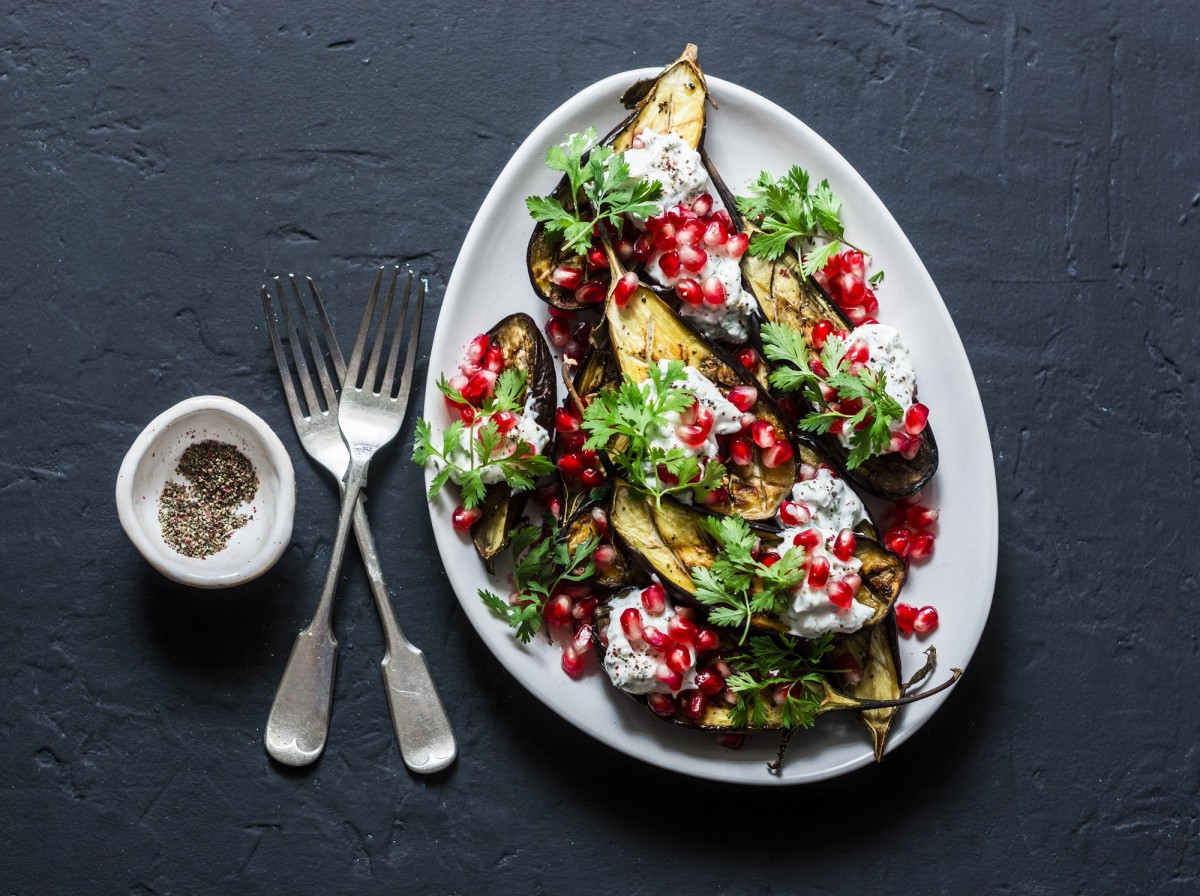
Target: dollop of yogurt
(527, 429)
(834, 506)
(634, 667)
(679, 168)
(727, 419)
(889, 356)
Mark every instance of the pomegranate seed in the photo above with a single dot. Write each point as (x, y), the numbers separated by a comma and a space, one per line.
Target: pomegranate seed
(565, 420)
(807, 472)
(763, 433)
(567, 276)
(624, 249)
(631, 623)
(793, 513)
(669, 677)
(669, 263)
(715, 235)
(702, 204)
(661, 704)
(870, 305)
(926, 620)
(905, 616)
(706, 639)
(736, 245)
(593, 292)
(478, 347)
(656, 637)
(709, 682)
(463, 519)
(693, 704)
(677, 215)
(625, 287)
(713, 291)
(852, 290)
(778, 454)
(558, 610)
(858, 352)
(506, 421)
(921, 517)
(845, 663)
(558, 331)
(678, 658)
(730, 741)
(853, 581)
(596, 259)
(572, 661)
(664, 238)
(807, 539)
(681, 630)
(582, 639)
(605, 556)
(592, 478)
(911, 447)
(643, 248)
(743, 397)
(688, 291)
(693, 259)
(570, 465)
(692, 435)
(748, 358)
(820, 332)
(726, 221)
(769, 559)
(717, 496)
(741, 450)
(654, 599)
(898, 540)
(844, 544)
(571, 442)
(840, 594)
(856, 314)
(915, 419)
(583, 609)
(818, 572)
(921, 546)
(690, 234)
(479, 387)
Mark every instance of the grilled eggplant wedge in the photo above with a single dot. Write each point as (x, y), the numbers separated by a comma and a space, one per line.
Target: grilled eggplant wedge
(644, 331)
(875, 656)
(526, 350)
(669, 540)
(674, 102)
(785, 296)
(716, 715)
(621, 571)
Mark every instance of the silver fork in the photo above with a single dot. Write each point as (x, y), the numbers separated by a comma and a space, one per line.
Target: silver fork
(299, 718)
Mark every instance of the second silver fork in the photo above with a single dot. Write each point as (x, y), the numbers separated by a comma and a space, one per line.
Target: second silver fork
(299, 720)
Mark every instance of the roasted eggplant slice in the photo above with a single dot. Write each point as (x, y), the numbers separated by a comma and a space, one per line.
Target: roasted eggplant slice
(785, 296)
(525, 349)
(644, 331)
(673, 102)
(670, 540)
(873, 673)
(618, 571)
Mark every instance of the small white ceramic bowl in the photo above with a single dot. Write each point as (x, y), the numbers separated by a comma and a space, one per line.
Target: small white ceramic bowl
(151, 462)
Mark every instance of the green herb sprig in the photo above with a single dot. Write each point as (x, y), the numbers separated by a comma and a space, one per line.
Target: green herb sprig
(603, 177)
(635, 413)
(786, 210)
(520, 468)
(542, 561)
(868, 386)
(737, 586)
(771, 663)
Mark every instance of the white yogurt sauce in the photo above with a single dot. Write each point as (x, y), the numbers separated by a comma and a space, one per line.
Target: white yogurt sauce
(727, 418)
(889, 356)
(526, 430)
(834, 506)
(633, 668)
(680, 170)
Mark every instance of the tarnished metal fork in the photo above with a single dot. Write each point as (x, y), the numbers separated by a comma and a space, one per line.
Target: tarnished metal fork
(299, 721)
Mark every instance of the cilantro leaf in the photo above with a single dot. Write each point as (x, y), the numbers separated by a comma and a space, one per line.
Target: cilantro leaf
(771, 666)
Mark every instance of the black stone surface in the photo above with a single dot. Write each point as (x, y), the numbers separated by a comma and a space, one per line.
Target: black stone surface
(160, 160)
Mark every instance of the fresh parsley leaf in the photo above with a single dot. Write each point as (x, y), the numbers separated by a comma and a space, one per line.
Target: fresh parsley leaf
(770, 664)
(602, 178)
(870, 426)
(542, 560)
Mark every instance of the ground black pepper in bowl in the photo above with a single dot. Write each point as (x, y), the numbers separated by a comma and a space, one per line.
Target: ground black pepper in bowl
(198, 518)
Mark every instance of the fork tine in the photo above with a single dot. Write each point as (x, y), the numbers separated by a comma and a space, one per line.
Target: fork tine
(302, 371)
(335, 351)
(352, 368)
(414, 338)
(289, 389)
(314, 345)
(372, 373)
(389, 370)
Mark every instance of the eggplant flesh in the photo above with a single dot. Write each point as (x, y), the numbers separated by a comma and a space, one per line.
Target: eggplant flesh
(876, 653)
(671, 539)
(785, 296)
(525, 349)
(673, 102)
(581, 526)
(644, 331)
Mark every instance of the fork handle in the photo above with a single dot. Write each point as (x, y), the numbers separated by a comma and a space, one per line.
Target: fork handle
(422, 727)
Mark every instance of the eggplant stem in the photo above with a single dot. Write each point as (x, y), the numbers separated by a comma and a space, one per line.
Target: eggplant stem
(921, 674)
(955, 675)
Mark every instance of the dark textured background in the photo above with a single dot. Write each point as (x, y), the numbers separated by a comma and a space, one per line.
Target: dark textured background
(159, 161)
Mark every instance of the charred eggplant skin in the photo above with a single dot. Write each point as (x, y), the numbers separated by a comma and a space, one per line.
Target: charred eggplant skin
(674, 101)
(785, 296)
(525, 349)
